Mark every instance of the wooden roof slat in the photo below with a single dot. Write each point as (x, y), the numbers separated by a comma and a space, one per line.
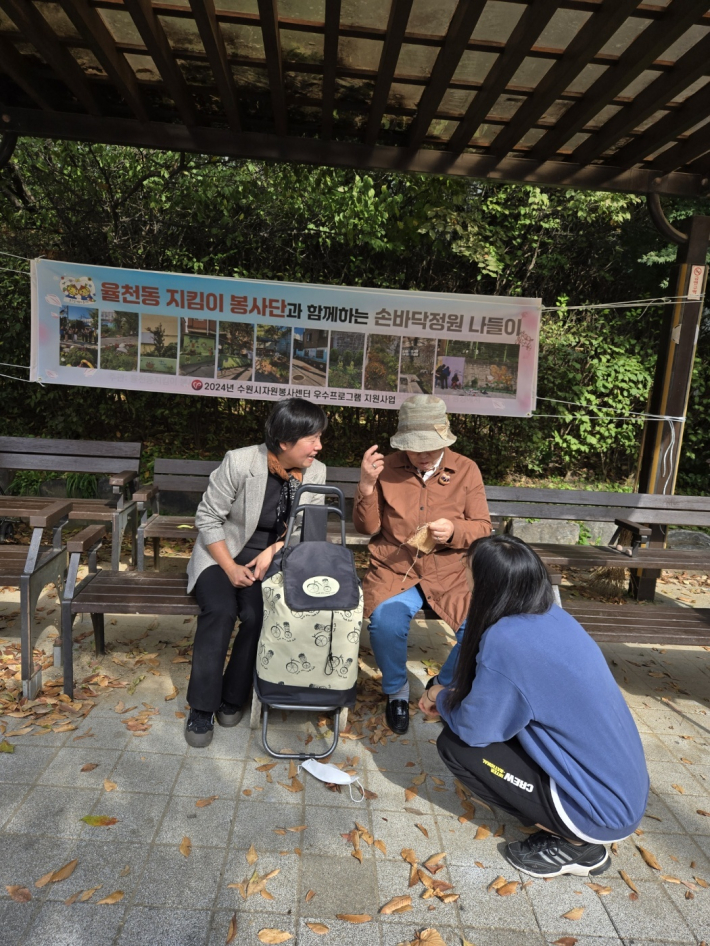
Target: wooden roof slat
(153, 35)
(665, 129)
(648, 46)
(528, 28)
(330, 64)
(99, 40)
(695, 146)
(396, 27)
(463, 23)
(17, 66)
(690, 67)
(594, 34)
(213, 41)
(37, 31)
(269, 19)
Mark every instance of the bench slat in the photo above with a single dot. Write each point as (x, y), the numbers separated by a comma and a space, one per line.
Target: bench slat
(183, 467)
(66, 463)
(187, 484)
(94, 448)
(598, 513)
(596, 497)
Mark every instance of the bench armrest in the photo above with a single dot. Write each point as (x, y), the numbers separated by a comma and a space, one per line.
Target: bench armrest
(85, 539)
(634, 527)
(123, 479)
(50, 515)
(146, 493)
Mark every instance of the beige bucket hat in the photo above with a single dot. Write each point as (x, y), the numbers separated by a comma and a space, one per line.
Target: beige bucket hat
(423, 425)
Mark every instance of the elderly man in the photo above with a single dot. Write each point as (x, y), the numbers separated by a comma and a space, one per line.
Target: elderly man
(426, 505)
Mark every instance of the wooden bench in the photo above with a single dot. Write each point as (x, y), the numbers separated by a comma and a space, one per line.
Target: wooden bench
(119, 461)
(32, 568)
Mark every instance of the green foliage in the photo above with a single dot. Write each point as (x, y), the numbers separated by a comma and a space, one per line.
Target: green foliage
(135, 208)
(27, 483)
(82, 485)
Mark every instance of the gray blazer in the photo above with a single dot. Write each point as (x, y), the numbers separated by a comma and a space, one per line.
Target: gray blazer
(231, 504)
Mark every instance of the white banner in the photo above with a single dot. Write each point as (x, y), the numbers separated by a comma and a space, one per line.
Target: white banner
(206, 335)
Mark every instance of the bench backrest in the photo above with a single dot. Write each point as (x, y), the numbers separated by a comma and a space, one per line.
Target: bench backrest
(183, 476)
(69, 456)
(527, 502)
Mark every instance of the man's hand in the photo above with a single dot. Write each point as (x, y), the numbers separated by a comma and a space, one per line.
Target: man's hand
(370, 469)
(441, 530)
(263, 560)
(427, 702)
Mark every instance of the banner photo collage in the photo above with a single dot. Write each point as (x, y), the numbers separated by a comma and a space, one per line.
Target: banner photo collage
(203, 335)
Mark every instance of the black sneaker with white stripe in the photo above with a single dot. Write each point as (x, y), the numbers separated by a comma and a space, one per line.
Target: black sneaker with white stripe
(547, 855)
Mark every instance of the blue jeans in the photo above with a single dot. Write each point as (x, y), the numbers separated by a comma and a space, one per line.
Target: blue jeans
(389, 629)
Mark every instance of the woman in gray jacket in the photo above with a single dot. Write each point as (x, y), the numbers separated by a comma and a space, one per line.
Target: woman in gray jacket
(241, 521)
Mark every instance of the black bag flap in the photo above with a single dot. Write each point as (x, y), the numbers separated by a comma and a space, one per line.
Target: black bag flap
(320, 576)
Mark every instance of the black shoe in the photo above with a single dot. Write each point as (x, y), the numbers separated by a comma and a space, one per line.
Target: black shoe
(228, 714)
(547, 855)
(199, 729)
(397, 716)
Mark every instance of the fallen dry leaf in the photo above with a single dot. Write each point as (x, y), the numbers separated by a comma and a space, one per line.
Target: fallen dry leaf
(89, 767)
(628, 881)
(409, 856)
(599, 889)
(706, 814)
(381, 846)
(6, 746)
(185, 847)
(70, 900)
(99, 821)
(482, 833)
(295, 786)
(63, 872)
(232, 931)
(204, 802)
(320, 928)
(395, 905)
(125, 872)
(422, 829)
(506, 890)
(433, 864)
(354, 917)
(251, 856)
(88, 894)
(678, 788)
(498, 882)
(650, 858)
(44, 880)
(113, 897)
(701, 882)
(565, 941)
(575, 914)
(173, 693)
(310, 895)
(109, 786)
(272, 936)
(429, 937)
(18, 894)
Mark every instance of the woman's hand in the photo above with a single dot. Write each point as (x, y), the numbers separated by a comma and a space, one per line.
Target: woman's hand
(240, 576)
(263, 560)
(441, 530)
(427, 702)
(370, 469)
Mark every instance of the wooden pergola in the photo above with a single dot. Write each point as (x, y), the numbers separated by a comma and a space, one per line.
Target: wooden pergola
(591, 94)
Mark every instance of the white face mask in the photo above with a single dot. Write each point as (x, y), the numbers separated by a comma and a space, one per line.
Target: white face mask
(327, 772)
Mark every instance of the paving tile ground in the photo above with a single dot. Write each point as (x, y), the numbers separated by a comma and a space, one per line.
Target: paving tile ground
(165, 792)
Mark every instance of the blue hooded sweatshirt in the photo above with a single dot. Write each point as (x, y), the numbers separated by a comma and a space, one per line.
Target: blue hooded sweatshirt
(542, 678)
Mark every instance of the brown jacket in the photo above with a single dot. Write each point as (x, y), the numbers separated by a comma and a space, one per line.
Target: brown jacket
(399, 504)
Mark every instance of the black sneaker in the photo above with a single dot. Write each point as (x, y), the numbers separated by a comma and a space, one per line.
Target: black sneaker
(228, 714)
(547, 855)
(199, 729)
(397, 716)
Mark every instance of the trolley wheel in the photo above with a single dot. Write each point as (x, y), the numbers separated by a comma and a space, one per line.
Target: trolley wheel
(343, 718)
(255, 718)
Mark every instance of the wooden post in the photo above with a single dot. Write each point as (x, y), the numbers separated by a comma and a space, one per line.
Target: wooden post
(661, 443)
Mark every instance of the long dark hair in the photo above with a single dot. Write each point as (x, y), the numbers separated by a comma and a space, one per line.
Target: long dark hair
(508, 578)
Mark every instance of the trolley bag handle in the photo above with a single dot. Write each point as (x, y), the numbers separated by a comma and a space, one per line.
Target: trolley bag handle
(336, 510)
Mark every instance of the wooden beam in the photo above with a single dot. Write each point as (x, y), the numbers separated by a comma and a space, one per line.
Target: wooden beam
(100, 41)
(665, 129)
(463, 23)
(37, 31)
(690, 67)
(269, 18)
(396, 28)
(14, 64)
(201, 140)
(330, 64)
(648, 46)
(694, 147)
(153, 35)
(213, 41)
(528, 28)
(596, 32)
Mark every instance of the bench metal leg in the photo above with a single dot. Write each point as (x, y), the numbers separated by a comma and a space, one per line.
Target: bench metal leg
(156, 553)
(255, 717)
(49, 572)
(122, 519)
(99, 640)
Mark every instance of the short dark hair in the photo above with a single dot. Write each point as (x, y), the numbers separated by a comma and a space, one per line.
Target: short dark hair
(508, 578)
(292, 419)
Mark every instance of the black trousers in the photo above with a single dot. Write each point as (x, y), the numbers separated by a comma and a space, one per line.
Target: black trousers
(503, 774)
(220, 606)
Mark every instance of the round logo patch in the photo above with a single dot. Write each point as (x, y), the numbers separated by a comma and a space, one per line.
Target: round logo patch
(320, 586)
